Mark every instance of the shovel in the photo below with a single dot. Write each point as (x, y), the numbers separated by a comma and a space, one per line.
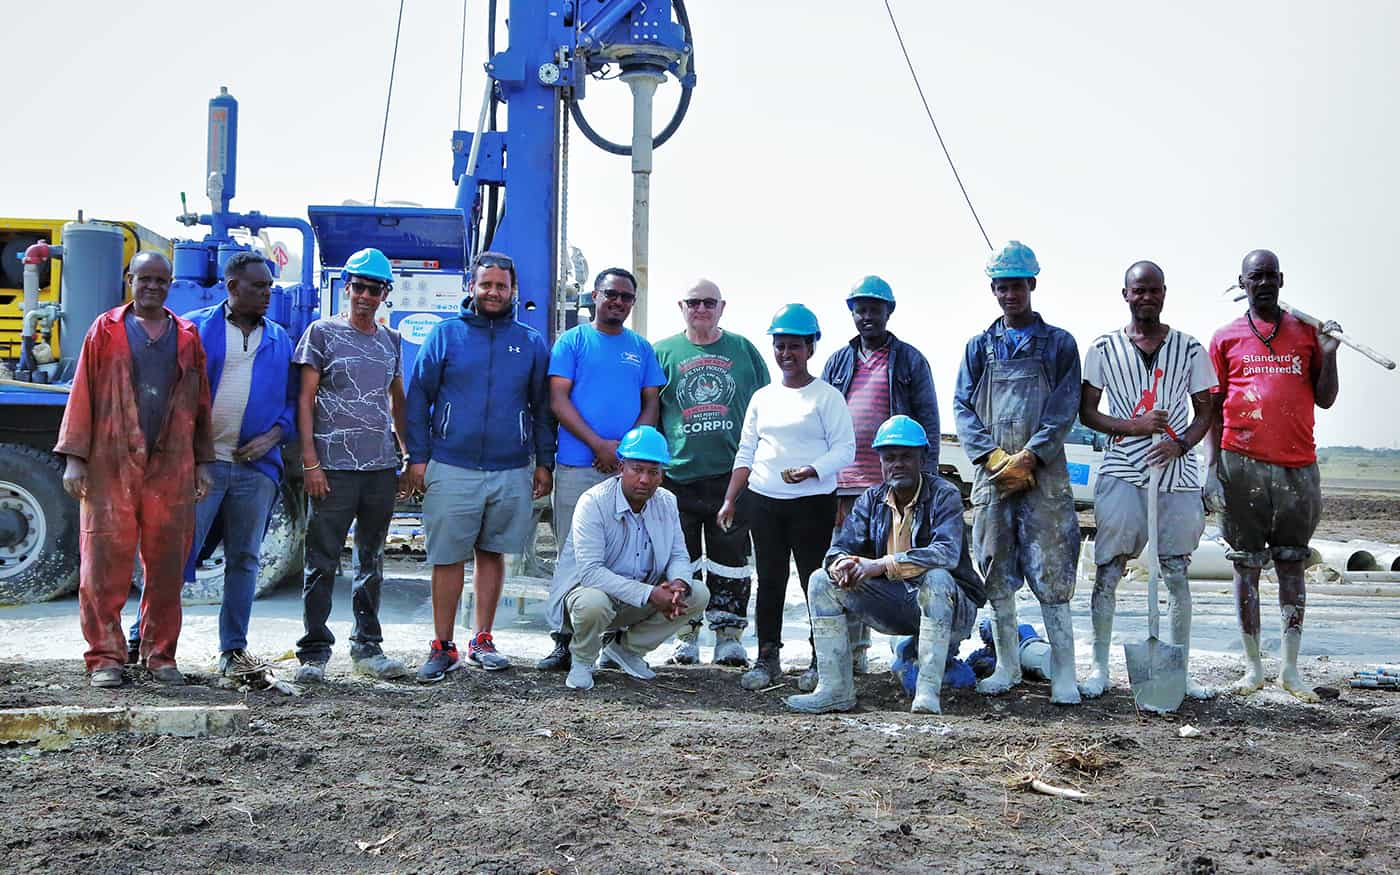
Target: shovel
(1156, 670)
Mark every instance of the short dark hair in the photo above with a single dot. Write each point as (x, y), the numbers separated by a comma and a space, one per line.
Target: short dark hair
(614, 271)
(494, 259)
(240, 261)
(149, 253)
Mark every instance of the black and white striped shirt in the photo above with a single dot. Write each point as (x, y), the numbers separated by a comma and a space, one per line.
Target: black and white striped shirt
(1180, 368)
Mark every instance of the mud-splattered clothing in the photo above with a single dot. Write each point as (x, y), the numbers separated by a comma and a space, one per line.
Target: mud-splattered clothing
(723, 561)
(1025, 401)
(353, 428)
(1269, 394)
(153, 372)
(1270, 510)
(137, 499)
(1133, 383)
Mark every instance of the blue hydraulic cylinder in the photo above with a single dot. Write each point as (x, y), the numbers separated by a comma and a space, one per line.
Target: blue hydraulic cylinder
(222, 176)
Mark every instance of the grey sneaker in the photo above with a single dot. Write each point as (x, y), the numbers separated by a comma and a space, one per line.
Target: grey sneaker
(379, 666)
(687, 649)
(807, 681)
(108, 677)
(628, 661)
(311, 673)
(580, 677)
(481, 652)
(168, 675)
(766, 670)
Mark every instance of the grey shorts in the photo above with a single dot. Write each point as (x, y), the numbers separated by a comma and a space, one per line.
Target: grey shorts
(1120, 512)
(1270, 510)
(465, 510)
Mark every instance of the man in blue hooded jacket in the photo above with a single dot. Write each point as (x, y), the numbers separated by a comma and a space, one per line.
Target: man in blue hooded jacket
(248, 358)
(478, 411)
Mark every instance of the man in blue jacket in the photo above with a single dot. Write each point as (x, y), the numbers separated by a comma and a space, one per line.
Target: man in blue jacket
(248, 359)
(1016, 399)
(478, 411)
(880, 376)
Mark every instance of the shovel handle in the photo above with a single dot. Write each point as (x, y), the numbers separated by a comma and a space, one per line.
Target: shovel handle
(1338, 335)
(1154, 476)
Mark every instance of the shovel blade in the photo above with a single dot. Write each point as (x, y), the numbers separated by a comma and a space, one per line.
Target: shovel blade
(1157, 674)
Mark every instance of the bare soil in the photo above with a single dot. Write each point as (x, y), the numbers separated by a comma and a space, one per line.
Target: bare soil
(512, 772)
(1367, 516)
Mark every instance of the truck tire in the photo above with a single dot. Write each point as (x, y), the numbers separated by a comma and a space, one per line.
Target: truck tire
(43, 563)
(281, 559)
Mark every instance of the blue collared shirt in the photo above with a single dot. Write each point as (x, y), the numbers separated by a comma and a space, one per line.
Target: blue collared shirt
(636, 561)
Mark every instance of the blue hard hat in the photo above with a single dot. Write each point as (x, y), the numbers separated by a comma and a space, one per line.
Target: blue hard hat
(1015, 259)
(871, 287)
(797, 320)
(900, 431)
(644, 444)
(369, 263)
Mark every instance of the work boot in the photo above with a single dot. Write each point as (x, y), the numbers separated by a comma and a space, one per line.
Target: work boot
(238, 664)
(481, 652)
(687, 649)
(379, 667)
(580, 677)
(1059, 631)
(107, 678)
(133, 651)
(313, 672)
(933, 658)
(627, 660)
(859, 635)
(729, 649)
(442, 658)
(835, 689)
(1008, 649)
(559, 658)
(168, 675)
(767, 669)
(807, 681)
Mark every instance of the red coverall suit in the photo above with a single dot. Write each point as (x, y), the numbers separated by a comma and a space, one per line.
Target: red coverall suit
(133, 498)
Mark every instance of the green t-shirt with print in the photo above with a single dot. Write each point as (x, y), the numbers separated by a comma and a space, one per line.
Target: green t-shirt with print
(703, 404)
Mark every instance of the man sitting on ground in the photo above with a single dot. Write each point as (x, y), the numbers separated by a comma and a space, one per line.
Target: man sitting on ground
(900, 563)
(624, 566)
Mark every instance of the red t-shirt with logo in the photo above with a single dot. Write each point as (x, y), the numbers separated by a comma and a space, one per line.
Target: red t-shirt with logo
(1269, 398)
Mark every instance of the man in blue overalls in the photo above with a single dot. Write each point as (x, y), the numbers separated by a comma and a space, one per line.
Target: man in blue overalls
(1016, 399)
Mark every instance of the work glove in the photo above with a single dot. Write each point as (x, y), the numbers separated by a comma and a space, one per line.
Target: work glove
(1017, 475)
(996, 460)
(1212, 492)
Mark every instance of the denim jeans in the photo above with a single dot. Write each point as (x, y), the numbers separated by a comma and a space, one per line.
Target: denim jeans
(244, 496)
(365, 498)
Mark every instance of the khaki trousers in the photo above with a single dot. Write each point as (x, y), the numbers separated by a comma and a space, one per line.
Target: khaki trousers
(591, 612)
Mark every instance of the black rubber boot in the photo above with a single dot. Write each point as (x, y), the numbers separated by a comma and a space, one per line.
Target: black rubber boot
(559, 658)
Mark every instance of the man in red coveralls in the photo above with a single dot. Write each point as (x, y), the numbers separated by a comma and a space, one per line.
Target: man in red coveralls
(136, 436)
(1262, 458)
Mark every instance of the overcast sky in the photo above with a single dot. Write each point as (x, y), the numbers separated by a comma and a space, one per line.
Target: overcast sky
(1098, 133)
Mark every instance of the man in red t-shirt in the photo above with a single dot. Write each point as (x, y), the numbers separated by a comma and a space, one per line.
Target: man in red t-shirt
(1262, 459)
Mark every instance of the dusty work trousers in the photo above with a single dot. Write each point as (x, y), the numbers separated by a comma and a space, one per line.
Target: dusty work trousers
(365, 498)
(897, 608)
(719, 558)
(157, 521)
(591, 612)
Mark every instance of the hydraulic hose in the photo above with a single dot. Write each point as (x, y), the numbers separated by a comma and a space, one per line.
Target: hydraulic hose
(677, 117)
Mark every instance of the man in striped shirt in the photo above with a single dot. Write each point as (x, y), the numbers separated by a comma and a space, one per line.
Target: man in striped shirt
(1158, 383)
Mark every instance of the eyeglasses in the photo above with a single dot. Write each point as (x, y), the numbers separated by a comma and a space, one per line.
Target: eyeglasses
(363, 288)
(697, 303)
(613, 295)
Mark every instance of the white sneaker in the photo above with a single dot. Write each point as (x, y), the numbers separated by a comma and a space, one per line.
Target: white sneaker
(628, 661)
(580, 677)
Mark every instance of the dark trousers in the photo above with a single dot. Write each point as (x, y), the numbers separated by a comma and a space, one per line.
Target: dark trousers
(722, 556)
(365, 498)
(784, 529)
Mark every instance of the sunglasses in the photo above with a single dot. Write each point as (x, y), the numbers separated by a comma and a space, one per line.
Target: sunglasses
(364, 288)
(500, 261)
(624, 297)
(697, 303)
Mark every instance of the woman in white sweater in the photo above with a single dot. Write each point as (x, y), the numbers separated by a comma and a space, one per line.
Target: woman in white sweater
(797, 436)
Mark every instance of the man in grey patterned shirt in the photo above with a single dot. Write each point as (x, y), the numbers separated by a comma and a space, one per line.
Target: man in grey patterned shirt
(350, 413)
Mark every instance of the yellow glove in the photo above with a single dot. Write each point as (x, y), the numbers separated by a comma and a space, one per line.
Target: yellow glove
(1017, 474)
(996, 460)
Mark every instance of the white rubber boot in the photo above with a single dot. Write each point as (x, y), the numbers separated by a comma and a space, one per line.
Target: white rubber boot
(1102, 605)
(933, 657)
(1288, 676)
(1059, 631)
(1008, 644)
(1253, 667)
(1179, 612)
(835, 686)
(859, 635)
(729, 649)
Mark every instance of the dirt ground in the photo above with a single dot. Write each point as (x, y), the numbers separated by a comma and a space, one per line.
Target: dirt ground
(514, 773)
(1371, 516)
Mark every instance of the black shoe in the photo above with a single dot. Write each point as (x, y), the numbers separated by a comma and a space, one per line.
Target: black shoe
(559, 658)
(133, 651)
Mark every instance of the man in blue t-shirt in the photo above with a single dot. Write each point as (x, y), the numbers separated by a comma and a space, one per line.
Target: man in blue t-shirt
(604, 381)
